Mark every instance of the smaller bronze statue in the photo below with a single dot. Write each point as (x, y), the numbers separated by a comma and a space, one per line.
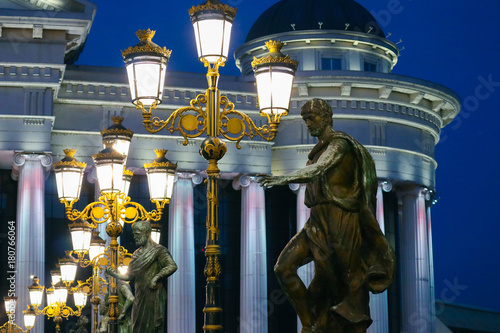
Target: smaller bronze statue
(125, 301)
(80, 324)
(150, 264)
(351, 255)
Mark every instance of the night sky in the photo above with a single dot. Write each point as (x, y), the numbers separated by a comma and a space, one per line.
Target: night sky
(453, 43)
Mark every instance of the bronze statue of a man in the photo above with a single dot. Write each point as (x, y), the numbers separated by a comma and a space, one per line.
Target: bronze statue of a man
(150, 263)
(351, 255)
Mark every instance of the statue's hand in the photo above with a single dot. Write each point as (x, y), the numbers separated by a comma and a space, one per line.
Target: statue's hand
(121, 316)
(154, 281)
(111, 271)
(269, 180)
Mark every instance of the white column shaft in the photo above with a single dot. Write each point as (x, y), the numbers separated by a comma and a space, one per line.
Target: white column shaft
(416, 307)
(306, 272)
(379, 306)
(30, 233)
(181, 304)
(253, 288)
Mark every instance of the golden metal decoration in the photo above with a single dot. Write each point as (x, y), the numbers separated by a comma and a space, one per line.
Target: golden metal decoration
(97, 213)
(234, 125)
(275, 55)
(146, 45)
(69, 160)
(215, 5)
(189, 122)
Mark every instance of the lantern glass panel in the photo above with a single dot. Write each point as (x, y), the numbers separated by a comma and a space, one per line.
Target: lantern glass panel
(10, 305)
(96, 250)
(80, 298)
(51, 297)
(110, 176)
(160, 184)
(212, 38)
(69, 183)
(274, 88)
(61, 294)
(81, 239)
(146, 77)
(36, 297)
(68, 272)
(155, 236)
(29, 320)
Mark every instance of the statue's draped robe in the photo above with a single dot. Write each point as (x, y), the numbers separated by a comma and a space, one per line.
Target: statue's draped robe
(149, 304)
(350, 252)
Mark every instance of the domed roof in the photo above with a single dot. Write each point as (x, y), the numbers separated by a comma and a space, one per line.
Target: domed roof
(289, 15)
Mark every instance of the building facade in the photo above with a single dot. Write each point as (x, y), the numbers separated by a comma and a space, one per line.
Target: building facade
(50, 104)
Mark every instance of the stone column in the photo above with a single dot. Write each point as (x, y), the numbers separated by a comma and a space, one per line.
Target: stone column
(30, 170)
(253, 285)
(379, 306)
(181, 305)
(306, 272)
(414, 263)
(431, 262)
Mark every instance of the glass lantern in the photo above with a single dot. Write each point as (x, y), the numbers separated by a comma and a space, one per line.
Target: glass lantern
(146, 65)
(161, 174)
(81, 233)
(274, 74)
(69, 176)
(212, 23)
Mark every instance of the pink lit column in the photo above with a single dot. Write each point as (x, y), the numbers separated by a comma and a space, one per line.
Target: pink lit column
(30, 171)
(379, 308)
(306, 272)
(415, 263)
(181, 304)
(253, 283)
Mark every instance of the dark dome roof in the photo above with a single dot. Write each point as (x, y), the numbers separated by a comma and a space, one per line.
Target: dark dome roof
(306, 14)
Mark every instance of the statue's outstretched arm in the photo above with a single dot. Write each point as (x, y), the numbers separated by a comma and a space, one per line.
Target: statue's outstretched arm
(114, 273)
(332, 156)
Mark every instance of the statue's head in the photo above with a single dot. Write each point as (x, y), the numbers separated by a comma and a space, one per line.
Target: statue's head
(142, 232)
(317, 114)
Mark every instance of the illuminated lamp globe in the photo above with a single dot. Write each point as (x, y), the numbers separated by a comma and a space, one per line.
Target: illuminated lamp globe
(274, 74)
(68, 267)
(118, 135)
(69, 176)
(55, 275)
(36, 292)
(97, 246)
(146, 65)
(10, 304)
(61, 293)
(161, 174)
(51, 297)
(156, 232)
(109, 168)
(81, 233)
(212, 23)
(80, 298)
(29, 318)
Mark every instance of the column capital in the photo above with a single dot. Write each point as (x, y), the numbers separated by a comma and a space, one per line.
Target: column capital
(20, 159)
(386, 185)
(195, 177)
(296, 187)
(414, 191)
(243, 181)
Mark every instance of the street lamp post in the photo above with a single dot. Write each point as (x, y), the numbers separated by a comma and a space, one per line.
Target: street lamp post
(57, 296)
(210, 113)
(10, 308)
(114, 207)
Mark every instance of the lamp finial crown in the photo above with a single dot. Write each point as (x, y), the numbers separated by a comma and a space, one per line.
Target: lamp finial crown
(274, 45)
(70, 152)
(145, 35)
(117, 120)
(160, 152)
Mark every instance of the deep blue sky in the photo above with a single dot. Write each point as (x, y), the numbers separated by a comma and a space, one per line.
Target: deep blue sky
(454, 43)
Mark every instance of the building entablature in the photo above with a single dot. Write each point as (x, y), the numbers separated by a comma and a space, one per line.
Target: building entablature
(309, 47)
(45, 24)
